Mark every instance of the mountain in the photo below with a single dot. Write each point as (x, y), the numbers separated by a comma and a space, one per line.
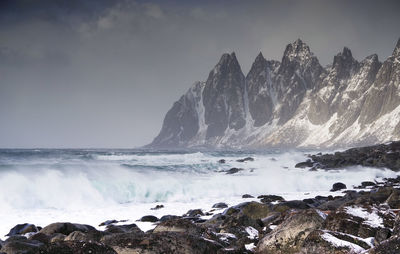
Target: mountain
(292, 103)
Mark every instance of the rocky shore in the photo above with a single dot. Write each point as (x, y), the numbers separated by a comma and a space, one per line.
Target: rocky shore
(382, 156)
(365, 219)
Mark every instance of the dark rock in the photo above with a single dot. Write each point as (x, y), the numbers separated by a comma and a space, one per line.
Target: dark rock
(157, 207)
(316, 243)
(91, 236)
(114, 229)
(391, 246)
(179, 225)
(367, 184)
(169, 217)
(247, 196)
(306, 164)
(22, 229)
(233, 171)
(295, 204)
(40, 237)
(17, 244)
(76, 247)
(65, 228)
(220, 205)
(222, 161)
(194, 213)
(245, 159)
(270, 198)
(149, 218)
(338, 186)
(108, 222)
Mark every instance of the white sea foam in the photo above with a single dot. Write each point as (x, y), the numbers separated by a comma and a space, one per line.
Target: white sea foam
(94, 190)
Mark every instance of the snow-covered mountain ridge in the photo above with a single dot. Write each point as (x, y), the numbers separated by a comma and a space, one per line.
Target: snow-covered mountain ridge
(292, 103)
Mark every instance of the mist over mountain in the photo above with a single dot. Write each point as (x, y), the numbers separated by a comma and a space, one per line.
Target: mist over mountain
(292, 103)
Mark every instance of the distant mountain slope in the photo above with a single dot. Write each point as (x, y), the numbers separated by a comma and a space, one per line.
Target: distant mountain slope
(295, 103)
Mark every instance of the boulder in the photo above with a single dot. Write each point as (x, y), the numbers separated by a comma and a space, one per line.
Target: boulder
(245, 159)
(390, 246)
(65, 228)
(289, 236)
(194, 213)
(233, 171)
(114, 229)
(76, 247)
(247, 196)
(149, 218)
(220, 205)
(270, 198)
(328, 242)
(338, 186)
(157, 207)
(19, 245)
(22, 229)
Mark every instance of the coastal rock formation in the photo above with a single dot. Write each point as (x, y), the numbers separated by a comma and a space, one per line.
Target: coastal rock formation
(294, 102)
(363, 221)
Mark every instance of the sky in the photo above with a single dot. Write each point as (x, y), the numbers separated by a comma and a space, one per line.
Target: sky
(103, 73)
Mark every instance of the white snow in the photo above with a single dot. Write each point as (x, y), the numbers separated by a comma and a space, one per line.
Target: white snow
(252, 232)
(371, 219)
(250, 246)
(336, 242)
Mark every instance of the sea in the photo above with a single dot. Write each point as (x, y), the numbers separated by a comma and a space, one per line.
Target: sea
(90, 186)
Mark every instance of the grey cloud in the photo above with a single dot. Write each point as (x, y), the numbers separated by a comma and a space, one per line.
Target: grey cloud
(104, 73)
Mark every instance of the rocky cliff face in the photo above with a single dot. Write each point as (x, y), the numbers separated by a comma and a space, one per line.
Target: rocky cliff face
(295, 103)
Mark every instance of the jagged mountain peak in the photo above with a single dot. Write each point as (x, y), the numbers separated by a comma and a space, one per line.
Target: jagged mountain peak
(259, 58)
(344, 63)
(396, 51)
(227, 62)
(297, 50)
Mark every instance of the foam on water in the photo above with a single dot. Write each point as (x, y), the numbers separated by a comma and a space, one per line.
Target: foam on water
(93, 186)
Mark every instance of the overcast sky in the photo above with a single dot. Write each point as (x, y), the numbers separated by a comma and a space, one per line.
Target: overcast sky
(104, 73)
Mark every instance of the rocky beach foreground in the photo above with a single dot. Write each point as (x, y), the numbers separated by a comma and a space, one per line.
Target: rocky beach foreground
(360, 219)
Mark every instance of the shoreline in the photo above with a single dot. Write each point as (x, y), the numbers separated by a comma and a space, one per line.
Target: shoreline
(264, 224)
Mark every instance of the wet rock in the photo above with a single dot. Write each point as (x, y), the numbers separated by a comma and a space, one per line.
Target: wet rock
(194, 213)
(270, 198)
(157, 207)
(108, 222)
(22, 229)
(295, 204)
(91, 236)
(367, 184)
(40, 237)
(65, 228)
(325, 241)
(57, 237)
(220, 205)
(222, 161)
(247, 196)
(338, 186)
(233, 171)
(149, 218)
(18, 244)
(381, 156)
(245, 159)
(306, 164)
(76, 247)
(390, 246)
(169, 217)
(123, 229)
(289, 236)
(253, 210)
(179, 225)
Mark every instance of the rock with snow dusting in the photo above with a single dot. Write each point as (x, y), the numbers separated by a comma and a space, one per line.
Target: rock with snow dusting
(290, 235)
